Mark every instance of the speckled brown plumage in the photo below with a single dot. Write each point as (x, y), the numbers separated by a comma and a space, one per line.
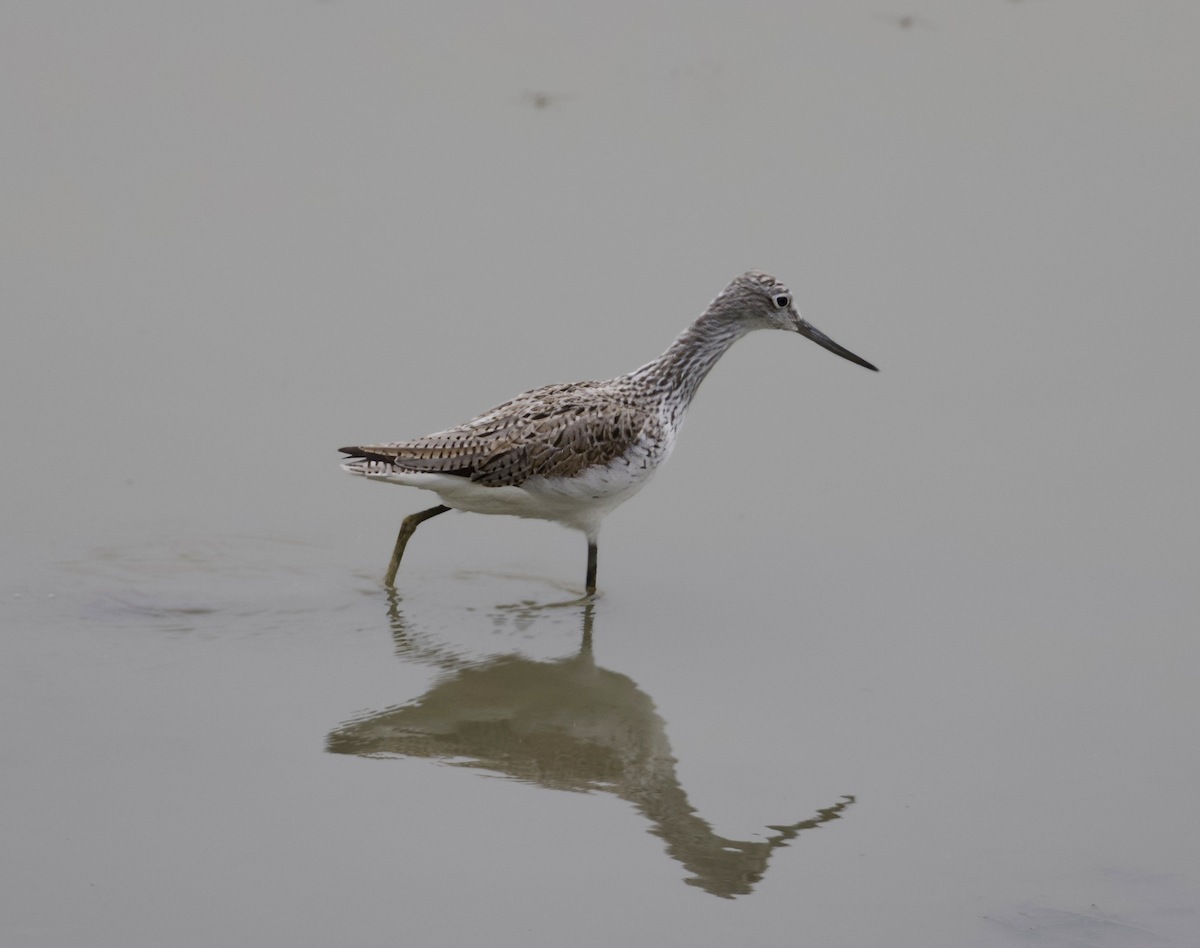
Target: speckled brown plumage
(554, 431)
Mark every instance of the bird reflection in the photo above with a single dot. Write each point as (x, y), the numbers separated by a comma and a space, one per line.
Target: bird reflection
(565, 724)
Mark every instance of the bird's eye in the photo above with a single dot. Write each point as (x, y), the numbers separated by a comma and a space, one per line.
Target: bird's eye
(782, 301)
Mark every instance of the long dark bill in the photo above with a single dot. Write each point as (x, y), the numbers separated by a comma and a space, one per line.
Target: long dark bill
(812, 332)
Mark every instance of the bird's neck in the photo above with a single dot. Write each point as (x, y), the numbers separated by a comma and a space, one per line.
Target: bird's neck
(676, 374)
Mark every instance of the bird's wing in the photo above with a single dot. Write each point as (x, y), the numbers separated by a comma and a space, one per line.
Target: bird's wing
(556, 431)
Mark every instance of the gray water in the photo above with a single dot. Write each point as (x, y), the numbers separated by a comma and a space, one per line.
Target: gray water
(902, 660)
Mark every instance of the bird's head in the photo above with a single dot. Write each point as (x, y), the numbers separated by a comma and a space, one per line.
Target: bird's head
(762, 302)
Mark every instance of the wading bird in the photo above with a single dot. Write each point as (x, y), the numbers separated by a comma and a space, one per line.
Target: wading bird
(572, 453)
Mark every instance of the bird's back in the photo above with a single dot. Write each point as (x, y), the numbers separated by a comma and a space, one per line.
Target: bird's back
(557, 431)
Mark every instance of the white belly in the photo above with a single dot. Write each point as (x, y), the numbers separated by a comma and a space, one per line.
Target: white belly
(579, 502)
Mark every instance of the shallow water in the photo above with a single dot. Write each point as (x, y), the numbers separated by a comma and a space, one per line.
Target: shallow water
(246, 740)
(902, 660)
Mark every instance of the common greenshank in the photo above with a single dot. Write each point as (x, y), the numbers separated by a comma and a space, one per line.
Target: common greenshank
(572, 453)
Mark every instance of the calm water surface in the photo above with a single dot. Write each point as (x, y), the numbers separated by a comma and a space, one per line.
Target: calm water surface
(902, 660)
(248, 741)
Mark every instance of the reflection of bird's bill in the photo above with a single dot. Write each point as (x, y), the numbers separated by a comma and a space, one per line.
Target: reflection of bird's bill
(809, 331)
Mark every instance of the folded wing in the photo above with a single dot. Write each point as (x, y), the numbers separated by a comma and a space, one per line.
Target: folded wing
(556, 431)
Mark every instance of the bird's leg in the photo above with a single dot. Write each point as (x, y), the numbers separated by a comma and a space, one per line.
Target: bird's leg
(591, 569)
(407, 529)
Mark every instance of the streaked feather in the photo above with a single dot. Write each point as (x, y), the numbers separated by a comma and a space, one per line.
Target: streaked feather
(554, 431)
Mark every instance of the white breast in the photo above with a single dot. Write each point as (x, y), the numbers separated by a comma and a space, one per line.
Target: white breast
(580, 502)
